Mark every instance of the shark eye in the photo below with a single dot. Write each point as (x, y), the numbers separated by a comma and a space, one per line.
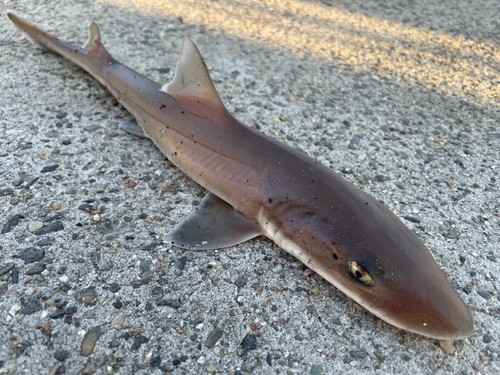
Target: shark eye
(360, 273)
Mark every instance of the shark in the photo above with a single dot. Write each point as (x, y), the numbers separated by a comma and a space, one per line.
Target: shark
(258, 185)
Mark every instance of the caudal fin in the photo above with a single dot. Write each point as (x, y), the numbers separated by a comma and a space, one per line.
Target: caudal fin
(93, 57)
(34, 34)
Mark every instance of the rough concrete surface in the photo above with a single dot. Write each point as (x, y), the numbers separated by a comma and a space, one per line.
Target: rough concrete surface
(399, 97)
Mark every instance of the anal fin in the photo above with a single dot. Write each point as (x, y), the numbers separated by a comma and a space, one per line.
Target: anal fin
(213, 225)
(132, 128)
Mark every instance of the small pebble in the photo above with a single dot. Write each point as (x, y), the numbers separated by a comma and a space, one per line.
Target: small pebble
(32, 306)
(119, 354)
(214, 337)
(278, 268)
(155, 361)
(144, 265)
(34, 226)
(117, 322)
(96, 217)
(240, 282)
(32, 255)
(114, 287)
(64, 279)
(92, 128)
(55, 226)
(87, 296)
(7, 268)
(249, 342)
(71, 310)
(447, 347)
(14, 310)
(166, 367)
(62, 355)
(29, 291)
(211, 368)
(90, 340)
(49, 168)
(15, 275)
(201, 360)
(315, 290)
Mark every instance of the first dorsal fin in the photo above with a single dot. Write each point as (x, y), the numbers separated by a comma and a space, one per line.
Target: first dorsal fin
(192, 88)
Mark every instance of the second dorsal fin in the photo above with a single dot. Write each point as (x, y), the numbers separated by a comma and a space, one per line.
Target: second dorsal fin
(192, 88)
(94, 43)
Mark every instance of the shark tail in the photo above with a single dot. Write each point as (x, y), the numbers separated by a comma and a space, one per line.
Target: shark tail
(93, 57)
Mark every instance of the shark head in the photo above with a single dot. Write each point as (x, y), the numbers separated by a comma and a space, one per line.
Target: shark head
(358, 245)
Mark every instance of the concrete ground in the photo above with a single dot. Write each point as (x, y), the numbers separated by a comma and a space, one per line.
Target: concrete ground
(399, 97)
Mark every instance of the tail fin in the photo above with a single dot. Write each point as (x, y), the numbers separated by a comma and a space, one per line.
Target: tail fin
(34, 34)
(93, 57)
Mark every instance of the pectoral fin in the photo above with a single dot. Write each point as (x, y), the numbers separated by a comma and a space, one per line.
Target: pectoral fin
(213, 225)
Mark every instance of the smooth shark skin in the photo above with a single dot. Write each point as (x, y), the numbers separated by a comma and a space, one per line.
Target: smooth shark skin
(276, 191)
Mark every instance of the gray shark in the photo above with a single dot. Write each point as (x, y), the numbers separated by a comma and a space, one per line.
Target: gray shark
(259, 186)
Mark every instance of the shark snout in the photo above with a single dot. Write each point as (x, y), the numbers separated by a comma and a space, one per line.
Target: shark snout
(431, 308)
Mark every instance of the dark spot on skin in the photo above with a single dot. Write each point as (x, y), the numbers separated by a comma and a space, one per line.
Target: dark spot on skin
(270, 200)
(162, 106)
(175, 153)
(335, 256)
(182, 111)
(366, 202)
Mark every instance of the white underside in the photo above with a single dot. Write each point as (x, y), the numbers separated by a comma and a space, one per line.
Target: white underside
(271, 231)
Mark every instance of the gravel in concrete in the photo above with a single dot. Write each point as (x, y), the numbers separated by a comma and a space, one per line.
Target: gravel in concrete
(401, 98)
